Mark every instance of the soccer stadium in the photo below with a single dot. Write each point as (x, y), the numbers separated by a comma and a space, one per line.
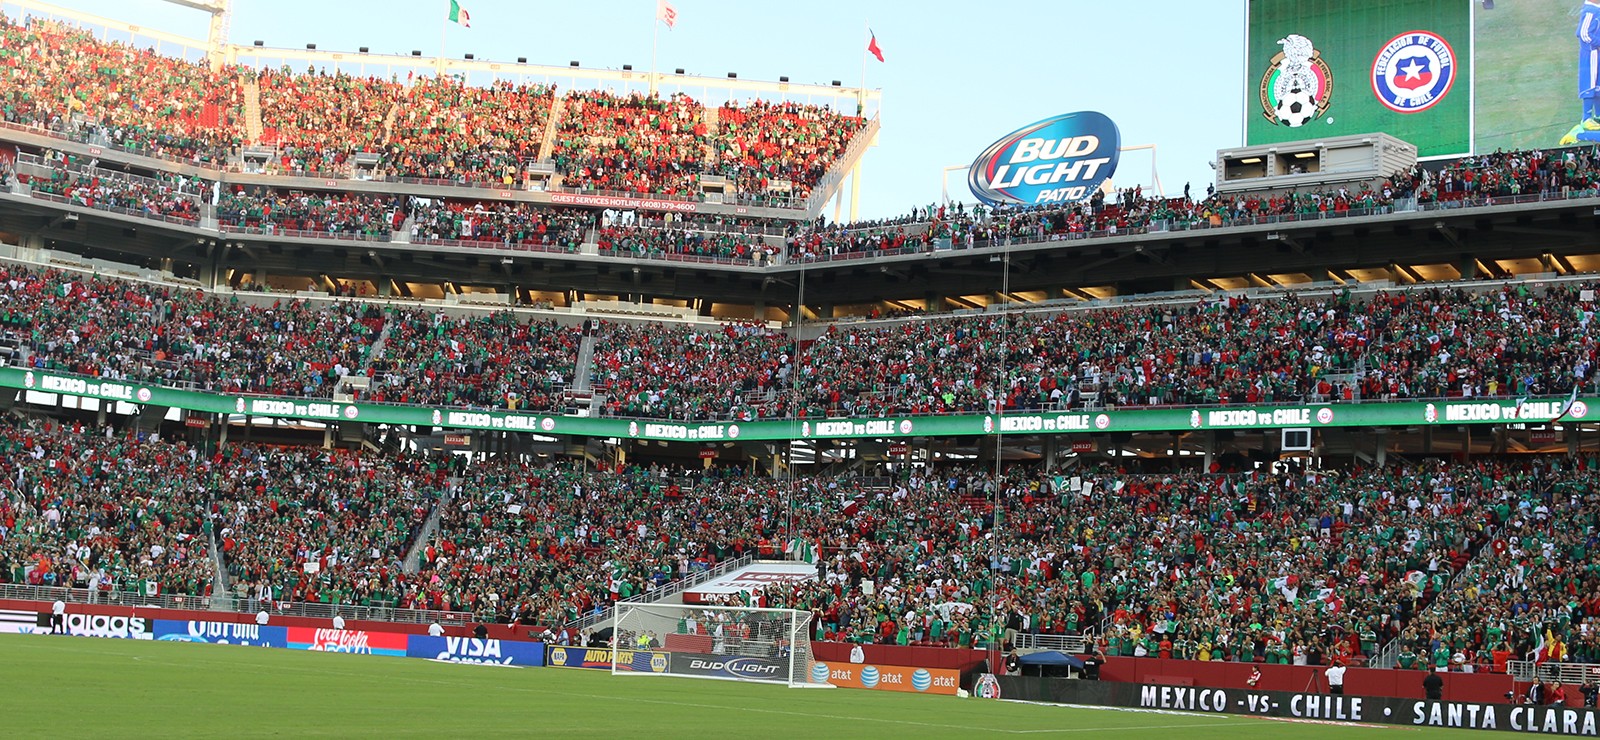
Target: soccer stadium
(333, 379)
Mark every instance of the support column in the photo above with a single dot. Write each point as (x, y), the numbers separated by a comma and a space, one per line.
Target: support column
(1210, 446)
(1468, 267)
(1380, 457)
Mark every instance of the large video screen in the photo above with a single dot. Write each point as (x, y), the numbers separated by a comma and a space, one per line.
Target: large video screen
(1537, 74)
(1324, 68)
(1450, 76)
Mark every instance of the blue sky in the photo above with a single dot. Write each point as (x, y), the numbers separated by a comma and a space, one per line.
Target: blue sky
(957, 76)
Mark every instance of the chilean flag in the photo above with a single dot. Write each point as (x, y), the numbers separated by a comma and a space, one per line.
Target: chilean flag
(1412, 73)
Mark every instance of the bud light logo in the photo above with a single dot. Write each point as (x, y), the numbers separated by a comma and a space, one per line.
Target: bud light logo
(819, 672)
(921, 680)
(1058, 160)
(869, 676)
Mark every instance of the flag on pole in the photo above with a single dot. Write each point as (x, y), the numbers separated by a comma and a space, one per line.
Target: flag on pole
(872, 46)
(666, 13)
(460, 15)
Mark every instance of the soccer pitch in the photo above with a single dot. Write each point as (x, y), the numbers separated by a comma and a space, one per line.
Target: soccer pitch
(77, 687)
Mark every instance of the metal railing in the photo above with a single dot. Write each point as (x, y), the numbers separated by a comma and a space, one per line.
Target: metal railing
(670, 588)
(227, 604)
(1070, 644)
(1527, 671)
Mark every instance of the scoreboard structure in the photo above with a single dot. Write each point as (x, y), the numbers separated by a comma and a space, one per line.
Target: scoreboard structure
(1452, 77)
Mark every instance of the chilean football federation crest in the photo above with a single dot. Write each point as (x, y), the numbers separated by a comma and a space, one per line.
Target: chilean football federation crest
(1413, 72)
(1298, 85)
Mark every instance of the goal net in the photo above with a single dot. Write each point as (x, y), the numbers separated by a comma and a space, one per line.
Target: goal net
(722, 642)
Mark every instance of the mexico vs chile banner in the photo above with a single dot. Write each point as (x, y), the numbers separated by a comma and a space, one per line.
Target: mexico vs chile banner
(1325, 68)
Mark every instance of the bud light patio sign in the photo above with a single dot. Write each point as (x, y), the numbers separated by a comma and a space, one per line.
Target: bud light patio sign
(1061, 159)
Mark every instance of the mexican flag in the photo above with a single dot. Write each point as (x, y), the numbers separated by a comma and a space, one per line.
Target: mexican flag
(460, 15)
(799, 549)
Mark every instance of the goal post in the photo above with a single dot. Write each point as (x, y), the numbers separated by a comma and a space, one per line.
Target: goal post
(728, 643)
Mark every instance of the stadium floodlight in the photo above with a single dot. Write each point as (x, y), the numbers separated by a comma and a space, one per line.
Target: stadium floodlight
(728, 643)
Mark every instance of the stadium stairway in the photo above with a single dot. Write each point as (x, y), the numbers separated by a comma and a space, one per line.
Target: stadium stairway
(252, 112)
(713, 120)
(220, 587)
(413, 561)
(582, 378)
(558, 107)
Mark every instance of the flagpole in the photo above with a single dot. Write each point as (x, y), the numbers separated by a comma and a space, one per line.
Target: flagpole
(861, 92)
(443, 26)
(655, 41)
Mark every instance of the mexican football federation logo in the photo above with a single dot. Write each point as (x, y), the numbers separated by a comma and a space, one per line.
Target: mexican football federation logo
(1413, 72)
(1298, 85)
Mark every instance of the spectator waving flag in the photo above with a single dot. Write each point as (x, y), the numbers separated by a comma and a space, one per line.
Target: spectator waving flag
(1566, 406)
(460, 15)
(666, 13)
(872, 45)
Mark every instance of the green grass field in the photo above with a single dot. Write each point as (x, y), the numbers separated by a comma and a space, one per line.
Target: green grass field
(1527, 73)
(86, 687)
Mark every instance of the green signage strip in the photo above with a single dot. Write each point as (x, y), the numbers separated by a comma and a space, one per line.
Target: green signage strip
(1401, 413)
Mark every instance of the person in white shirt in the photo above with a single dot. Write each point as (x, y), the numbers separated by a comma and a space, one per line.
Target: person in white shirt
(434, 630)
(262, 617)
(58, 618)
(857, 655)
(1335, 675)
(338, 621)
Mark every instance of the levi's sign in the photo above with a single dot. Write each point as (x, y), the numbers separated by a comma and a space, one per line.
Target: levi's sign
(1062, 159)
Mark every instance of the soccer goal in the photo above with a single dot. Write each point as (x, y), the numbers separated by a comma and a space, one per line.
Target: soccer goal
(722, 642)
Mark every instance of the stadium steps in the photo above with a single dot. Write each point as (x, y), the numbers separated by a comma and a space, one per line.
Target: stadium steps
(413, 561)
(713, 121)
(558, 107)
(582, 379)
(252, 112)
(220, 586)
(388, 120)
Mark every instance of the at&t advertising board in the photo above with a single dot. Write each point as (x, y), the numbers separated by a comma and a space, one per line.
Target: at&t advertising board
(887, 678)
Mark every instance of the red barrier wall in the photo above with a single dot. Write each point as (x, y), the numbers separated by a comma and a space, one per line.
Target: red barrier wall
(1469, 687)
(912, 657)
(496, 631)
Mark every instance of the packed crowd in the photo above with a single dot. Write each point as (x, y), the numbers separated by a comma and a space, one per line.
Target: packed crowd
(129, 331)
(162, 196)
(63, 79)
(780, 148)
(103, 510)
(494, 361)
(300, 525)
(1465, 564)
(273, 211)
(500, 222)
(319, 120)
(1477, 179)
(632, 144)
(115, 94)
(648, 370)
(1511, 341)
